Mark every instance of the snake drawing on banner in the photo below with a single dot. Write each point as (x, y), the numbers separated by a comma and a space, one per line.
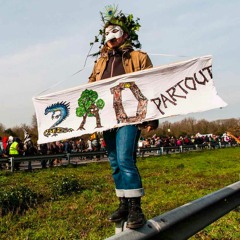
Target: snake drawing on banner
(89, 106)
(118, 106)
(60, 111)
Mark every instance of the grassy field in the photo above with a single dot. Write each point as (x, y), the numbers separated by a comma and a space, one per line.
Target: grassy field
(74, 202)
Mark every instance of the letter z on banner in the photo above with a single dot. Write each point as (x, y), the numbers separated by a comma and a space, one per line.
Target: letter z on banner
(160, 92)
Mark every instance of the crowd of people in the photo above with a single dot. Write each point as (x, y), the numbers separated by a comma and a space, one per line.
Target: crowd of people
(14, 146)
(208, 140)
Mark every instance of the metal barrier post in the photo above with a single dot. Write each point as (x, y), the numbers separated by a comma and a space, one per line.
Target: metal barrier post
(12, 163)
(68, 158)
(181, 149)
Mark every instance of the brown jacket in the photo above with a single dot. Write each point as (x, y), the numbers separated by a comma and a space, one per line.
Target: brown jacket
(132, 62)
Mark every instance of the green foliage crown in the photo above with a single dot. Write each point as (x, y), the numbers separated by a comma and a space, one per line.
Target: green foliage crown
(114, 17)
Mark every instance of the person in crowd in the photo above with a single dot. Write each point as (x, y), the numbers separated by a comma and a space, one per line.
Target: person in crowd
(172, 141)
(95, 144)
(89, 147)
(166, 144)
(74, 147)
(16, 149)
(186, 140)
(43, 148)
(1, 150)
(9, 142)
(59, 148)
(102, 145)
(4, 141)
(52, 149)
(159, 144)
(179, 142)
(118, 56)
(29, 148)
(67, 146)
(81, 146)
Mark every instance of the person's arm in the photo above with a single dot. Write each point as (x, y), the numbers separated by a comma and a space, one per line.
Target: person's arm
(140, 61)
(92, 77)
(146, 61)
(98, 69)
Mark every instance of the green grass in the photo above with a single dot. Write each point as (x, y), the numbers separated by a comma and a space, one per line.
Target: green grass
(169, 181)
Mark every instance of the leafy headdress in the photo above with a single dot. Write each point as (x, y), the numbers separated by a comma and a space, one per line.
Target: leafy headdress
(112, 16)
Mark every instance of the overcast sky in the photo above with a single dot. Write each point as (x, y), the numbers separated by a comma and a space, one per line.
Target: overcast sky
(43, 43)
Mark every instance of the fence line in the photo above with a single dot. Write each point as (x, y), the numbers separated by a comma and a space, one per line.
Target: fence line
(71, 157)
(191, 147)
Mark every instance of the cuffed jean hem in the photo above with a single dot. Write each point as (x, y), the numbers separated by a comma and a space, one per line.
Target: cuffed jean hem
(130, 193)
(119, 192)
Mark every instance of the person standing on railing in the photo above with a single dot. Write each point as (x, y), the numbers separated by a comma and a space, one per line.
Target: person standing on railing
(117, 57)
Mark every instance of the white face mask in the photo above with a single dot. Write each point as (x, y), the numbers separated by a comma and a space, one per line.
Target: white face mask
(112, 32)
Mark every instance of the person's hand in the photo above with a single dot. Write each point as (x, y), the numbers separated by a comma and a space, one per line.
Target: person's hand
(149, 128)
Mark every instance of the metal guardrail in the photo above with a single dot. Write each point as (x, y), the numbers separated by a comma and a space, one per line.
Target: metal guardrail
(187, 147)
(185, 221)
(69, 156)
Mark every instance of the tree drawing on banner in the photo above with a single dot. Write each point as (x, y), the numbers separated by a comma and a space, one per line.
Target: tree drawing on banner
(89, 106)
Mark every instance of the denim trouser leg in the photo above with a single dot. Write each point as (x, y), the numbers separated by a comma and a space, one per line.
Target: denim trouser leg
(121, 146)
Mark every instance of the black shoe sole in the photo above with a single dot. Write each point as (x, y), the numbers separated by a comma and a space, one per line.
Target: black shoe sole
(135, 226)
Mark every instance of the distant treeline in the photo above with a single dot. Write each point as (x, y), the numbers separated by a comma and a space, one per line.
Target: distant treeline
(191, 126)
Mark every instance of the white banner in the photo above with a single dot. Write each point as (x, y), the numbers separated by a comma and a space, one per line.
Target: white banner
(160, 92)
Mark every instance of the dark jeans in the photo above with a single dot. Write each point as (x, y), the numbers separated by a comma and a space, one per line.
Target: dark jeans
(122, 146)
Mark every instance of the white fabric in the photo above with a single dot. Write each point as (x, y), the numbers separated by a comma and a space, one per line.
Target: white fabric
(160, 92)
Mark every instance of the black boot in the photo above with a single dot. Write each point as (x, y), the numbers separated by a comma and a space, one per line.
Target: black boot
(136, 218)
(122, 212)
